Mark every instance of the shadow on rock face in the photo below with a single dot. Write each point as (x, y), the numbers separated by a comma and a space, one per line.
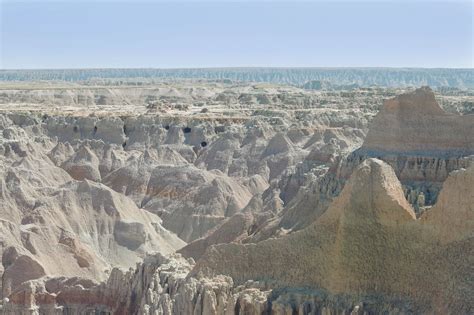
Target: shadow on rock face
(129, 234)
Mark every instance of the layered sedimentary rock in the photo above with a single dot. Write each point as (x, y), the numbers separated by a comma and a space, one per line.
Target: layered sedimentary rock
(415, 124)
(59, 223)
(399, 136)
(104, 191)
(194, 203)
(163, 288)
(366, 253)
(422, 142)
(265, 194)
(452, 217)
(356, 245)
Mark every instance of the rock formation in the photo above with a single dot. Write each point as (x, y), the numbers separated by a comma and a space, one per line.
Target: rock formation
(53, 224)
(415, 124)
(368, 243)
(136, 200)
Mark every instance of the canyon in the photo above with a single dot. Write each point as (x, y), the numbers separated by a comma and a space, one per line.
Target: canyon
(216, 196)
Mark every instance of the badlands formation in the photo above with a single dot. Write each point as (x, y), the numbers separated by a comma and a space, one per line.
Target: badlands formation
(217, 197)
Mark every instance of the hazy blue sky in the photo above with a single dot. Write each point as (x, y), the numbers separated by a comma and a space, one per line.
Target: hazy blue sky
(75, 34)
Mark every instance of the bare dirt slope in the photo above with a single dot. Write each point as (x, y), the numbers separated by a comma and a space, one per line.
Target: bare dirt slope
(235, 198)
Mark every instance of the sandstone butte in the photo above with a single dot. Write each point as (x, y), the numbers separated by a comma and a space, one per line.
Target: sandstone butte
(414, 123)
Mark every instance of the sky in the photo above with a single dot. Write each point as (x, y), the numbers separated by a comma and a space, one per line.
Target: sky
(188, 34)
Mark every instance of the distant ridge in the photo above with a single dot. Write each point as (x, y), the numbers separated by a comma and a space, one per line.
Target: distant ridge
(363, 77)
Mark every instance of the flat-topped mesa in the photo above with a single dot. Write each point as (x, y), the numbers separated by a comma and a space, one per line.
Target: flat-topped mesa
(415, 124)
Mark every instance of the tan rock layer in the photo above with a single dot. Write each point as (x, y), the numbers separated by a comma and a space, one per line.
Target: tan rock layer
(368, 241)
(414, 123)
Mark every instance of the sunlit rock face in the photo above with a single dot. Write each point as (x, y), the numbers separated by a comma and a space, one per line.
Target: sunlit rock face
(421, 141)
(236, 198)
(352, 252)
(415, 124)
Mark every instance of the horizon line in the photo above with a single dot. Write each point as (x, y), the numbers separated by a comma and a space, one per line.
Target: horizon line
(238, 68)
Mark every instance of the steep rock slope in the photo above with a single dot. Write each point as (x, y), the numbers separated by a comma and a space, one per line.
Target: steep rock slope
(367, 253)
(437, 132)
(105, 190)
(421, 142)
(452, 217)
(52, 224)
(197, 175)
(191, 201)
(367, 242)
